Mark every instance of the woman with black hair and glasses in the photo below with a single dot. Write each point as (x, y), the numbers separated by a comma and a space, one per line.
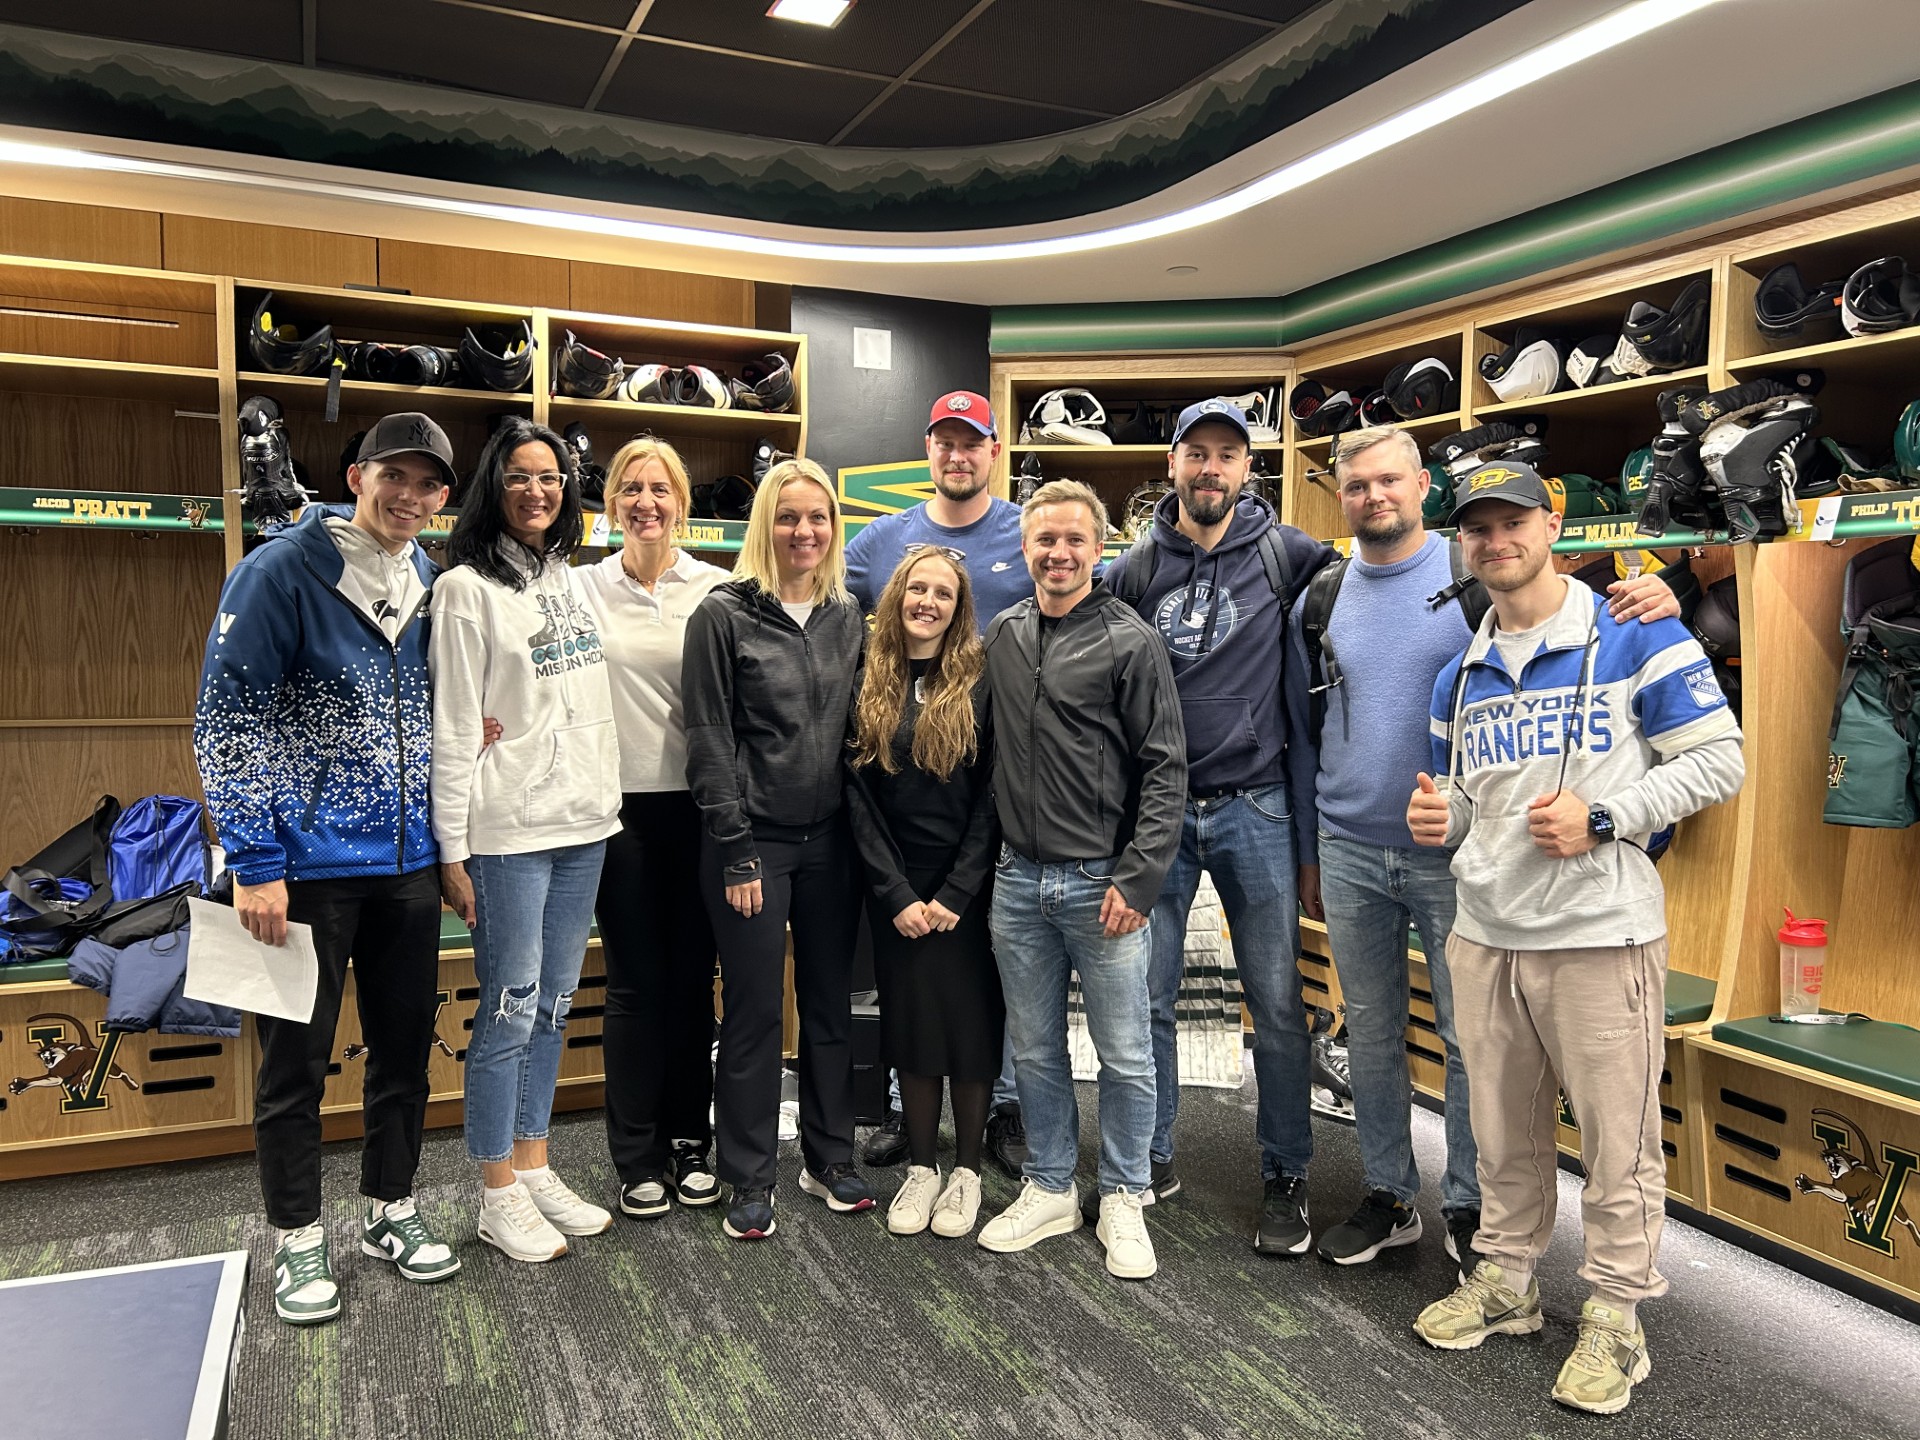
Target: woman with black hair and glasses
(523, 822)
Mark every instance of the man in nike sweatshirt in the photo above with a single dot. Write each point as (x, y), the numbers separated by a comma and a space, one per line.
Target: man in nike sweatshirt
(1214, 581)
(1564, 738)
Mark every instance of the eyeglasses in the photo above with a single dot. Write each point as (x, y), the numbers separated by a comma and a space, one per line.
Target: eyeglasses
(546, 480)
(920, 547)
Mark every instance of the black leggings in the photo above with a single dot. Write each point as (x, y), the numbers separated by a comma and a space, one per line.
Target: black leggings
(811, 885)
(658, 1025)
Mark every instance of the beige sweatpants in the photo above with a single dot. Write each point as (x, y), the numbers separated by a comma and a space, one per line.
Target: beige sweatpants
(1592, 1018)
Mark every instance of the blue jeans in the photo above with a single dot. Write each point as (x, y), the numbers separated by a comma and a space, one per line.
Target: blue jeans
(1244, 840)
(533, 913)
(1370, 893)
(1046, 924)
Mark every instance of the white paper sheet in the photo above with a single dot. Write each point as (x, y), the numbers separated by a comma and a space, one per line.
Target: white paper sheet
(227, 966)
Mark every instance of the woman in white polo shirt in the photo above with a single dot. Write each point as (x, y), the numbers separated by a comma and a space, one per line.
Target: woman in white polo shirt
(656, 936)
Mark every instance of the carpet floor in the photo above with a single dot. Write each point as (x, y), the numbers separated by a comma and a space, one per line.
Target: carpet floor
(834, 1328)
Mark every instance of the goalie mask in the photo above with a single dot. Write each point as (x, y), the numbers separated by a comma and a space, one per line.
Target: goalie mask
(1527, 369)
(1066, 417)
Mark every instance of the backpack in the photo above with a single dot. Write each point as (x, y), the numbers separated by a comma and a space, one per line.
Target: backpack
(51, 901)
(1324, 589)
(158, 844)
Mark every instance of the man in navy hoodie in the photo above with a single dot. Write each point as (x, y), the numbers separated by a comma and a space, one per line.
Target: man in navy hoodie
(313, 733)
(1222, 572)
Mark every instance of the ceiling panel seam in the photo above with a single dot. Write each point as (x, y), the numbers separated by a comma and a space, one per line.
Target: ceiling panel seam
(953, 33)
(634, 22)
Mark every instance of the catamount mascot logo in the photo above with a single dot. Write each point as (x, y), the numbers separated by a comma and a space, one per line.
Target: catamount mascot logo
(73, 1063)
(1869, 1190)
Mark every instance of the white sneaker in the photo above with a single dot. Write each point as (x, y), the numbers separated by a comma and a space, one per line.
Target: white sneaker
(564, 1210)
(1123, 1230)
(1037, 1215)
(512, 1223)
(912, 1207)
(958, 1206)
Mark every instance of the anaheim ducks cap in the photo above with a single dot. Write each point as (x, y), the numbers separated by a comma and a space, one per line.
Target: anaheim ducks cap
(1506, 480)
(408, 433)
(1223, 412)
(967, 407)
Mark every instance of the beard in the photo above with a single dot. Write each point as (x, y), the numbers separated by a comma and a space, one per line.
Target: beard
(959, 487)
(1518, 576)
(1389, 529)
(1207, 509)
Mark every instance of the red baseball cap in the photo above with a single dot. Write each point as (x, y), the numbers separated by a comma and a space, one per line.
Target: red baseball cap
(967, 407)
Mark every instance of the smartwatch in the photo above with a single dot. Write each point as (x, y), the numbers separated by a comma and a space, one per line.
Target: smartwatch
(1600, 824)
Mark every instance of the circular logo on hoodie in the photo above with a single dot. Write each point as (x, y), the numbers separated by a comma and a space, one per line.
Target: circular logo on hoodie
(1188, 622)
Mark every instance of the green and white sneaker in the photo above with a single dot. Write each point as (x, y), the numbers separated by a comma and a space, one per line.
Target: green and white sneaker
(303, 1288)
(1608, 1360)
(1485, 1305)
(395, 1232)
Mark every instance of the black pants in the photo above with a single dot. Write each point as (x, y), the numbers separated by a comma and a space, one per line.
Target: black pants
(810, 885)
(390, 925)
(658, 1024)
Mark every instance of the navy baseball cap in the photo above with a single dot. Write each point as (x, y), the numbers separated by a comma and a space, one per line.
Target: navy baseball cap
(1510, 481)
(1224, 412)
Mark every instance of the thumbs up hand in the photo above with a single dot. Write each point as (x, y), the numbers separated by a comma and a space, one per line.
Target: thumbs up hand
(1428, 813)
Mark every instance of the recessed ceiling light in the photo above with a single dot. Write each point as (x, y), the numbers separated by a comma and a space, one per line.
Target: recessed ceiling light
(810, 12)
(1183, 269)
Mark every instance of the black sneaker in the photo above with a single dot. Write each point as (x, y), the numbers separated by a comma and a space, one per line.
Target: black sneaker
(888, 1144)
(692, 1174)
(750, 1217)
(841, 1186)
(645, 1199)
(1462, 1226)
(1283, 1217)
(1007, 1138)
(1380, 1223)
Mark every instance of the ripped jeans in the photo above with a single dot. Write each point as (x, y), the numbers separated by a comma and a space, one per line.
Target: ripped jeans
(533, 912)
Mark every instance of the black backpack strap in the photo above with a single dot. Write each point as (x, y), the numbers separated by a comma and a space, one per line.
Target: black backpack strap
(1472, 595)
(1278, 565)
(1137, 573)
(1323, 667)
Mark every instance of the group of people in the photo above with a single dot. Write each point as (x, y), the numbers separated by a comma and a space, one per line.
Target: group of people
(707, 762)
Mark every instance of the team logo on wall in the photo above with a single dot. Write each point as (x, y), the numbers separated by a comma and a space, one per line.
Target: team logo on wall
(358, 1051)
(1869, 1190)
(72, 1063)
(196, 512)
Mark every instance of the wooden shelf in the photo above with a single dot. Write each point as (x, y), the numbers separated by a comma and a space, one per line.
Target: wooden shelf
(182, 386)
(645, 340)
(1886, 361)
(668, 421)
(375, 312)
(1621, 402)
(368, 397)
(1434, 425)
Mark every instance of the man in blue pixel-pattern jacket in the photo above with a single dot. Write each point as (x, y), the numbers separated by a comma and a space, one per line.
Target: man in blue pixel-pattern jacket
(313, 733)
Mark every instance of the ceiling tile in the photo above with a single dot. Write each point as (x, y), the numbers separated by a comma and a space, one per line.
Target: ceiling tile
(881, 37)
(1272, 12)
(915, 117)
(725, 92)
(1108, 55)
(595, 12)
(469, 49)
(266, 29)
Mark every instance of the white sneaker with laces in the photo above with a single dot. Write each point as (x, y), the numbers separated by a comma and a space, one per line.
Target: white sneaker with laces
(912, 1206)
(1123, 1230)
(1037, 1215)
(513, 1224)
(959, 1204)
(564, 1210)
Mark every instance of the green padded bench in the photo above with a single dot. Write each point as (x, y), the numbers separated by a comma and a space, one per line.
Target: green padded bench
(25, 972)
(1875, 1053)
(1689, 998)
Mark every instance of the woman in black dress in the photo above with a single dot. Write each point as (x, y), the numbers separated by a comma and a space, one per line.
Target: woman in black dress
(923, 818)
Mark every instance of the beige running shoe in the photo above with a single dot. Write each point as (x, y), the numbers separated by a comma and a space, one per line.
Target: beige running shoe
(912, 1206)
(1123, 1230)
(511, 1223)
(1608, 1360)
(565, 1211)
(1485, 1305)
(1038, 1214)
(959, 1204)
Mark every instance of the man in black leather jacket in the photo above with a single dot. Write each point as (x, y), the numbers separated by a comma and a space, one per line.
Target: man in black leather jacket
(1090, 781)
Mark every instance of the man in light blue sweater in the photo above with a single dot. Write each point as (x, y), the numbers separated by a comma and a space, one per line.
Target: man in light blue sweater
(1372, 880)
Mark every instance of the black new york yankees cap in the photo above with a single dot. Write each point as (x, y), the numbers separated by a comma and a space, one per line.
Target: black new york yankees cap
(407, 432)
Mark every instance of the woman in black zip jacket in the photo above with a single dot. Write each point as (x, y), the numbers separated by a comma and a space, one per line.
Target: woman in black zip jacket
(768, 682)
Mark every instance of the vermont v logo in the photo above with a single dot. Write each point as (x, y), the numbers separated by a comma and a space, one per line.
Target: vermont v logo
(1870, 1191)
(73, 1063)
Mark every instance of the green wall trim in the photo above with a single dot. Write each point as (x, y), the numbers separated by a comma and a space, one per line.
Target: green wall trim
(1849, 143)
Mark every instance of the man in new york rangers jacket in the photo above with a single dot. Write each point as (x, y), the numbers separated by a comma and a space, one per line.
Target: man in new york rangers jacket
(1562, 738)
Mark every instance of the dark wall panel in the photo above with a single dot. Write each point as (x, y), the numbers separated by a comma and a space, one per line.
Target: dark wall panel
(871, 417)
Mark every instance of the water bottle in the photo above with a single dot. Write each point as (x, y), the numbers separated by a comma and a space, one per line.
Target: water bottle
(1803, 964)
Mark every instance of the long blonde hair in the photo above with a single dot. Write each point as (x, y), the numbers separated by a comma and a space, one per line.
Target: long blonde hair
(757, 561)
(945, 736)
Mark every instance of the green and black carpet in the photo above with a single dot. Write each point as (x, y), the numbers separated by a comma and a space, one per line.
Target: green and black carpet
(834, 1328)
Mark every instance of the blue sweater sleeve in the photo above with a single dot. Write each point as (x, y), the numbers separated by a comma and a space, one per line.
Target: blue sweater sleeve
(254, 640)
(1303, 748)
(1440, 731)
